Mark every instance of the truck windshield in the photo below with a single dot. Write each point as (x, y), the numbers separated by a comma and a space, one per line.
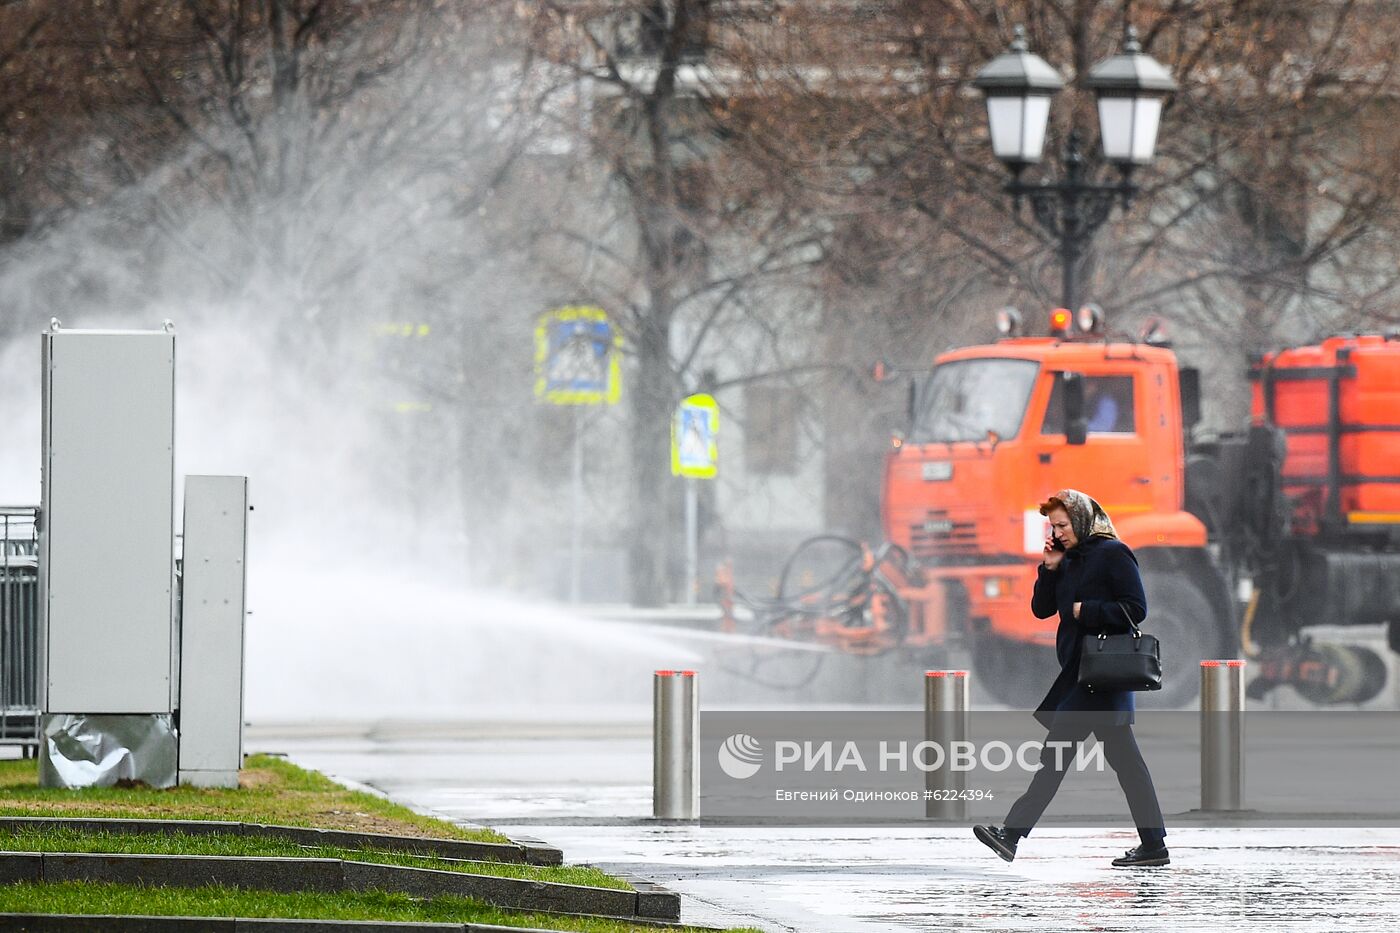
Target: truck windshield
(963, 400)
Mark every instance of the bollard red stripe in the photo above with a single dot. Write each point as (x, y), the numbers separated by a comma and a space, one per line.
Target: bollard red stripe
(1234, 664)
(687, 673)
(665, 673)
(935, 673)
(1210, 664)
(958, 673)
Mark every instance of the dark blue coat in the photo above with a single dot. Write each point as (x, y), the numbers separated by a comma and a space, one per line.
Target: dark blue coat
(1100, 573)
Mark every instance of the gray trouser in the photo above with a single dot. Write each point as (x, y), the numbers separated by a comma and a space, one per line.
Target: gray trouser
(1124, 757)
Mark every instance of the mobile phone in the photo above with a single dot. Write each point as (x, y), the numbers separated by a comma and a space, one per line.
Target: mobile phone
(1055, 544)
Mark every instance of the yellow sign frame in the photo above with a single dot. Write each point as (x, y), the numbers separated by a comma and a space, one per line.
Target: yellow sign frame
(559, 396)
(706, 406)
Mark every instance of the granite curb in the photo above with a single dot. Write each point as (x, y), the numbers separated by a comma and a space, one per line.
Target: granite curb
(334, 876)
(654, 901)
(126, 923)
(108, 923)
(526, 850)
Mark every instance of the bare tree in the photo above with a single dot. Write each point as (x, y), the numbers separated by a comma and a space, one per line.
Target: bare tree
(684, 230)
(1272, 189)
(23, 25)
(293, 152)
(699, 167)
(323, 174)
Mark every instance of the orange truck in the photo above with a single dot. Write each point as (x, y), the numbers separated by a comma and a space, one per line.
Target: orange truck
(1246, 541)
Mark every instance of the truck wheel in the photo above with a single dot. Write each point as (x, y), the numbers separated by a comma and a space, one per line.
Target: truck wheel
(1014, 673)
(1186, 626)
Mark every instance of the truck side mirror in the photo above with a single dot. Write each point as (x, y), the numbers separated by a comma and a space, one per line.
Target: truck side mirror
(1072, 398)
(1190, 379)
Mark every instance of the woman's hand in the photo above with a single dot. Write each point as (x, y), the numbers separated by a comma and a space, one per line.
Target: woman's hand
(1052, 555)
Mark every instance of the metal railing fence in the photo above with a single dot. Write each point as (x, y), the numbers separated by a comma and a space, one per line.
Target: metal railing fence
(19, 627)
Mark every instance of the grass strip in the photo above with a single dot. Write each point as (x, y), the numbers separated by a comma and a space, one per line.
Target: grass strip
(271, 790)
(29, 839)
(79, 898)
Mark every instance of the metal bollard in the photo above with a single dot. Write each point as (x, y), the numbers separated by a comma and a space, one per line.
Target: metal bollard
(1222, 735)
(675, 746)
(945, 722)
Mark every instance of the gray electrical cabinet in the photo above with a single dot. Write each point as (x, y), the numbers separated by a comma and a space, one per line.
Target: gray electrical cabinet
(106, 549)
(212, 585)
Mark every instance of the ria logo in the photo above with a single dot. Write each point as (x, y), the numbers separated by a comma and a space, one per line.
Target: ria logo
(740, 756)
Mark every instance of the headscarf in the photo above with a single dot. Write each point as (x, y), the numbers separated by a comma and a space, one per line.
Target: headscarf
(1086, 517)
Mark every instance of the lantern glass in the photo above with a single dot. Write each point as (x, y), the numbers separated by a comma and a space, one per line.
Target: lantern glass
(1128, 127)
(1017, 126)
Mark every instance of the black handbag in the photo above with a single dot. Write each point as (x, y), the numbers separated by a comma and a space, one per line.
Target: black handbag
(1120, 662)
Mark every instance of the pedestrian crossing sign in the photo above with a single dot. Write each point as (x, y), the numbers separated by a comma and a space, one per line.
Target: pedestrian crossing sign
(577, 357)
(694, 438)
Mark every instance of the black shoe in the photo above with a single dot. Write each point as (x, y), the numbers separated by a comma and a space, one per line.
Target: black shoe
(1142, 857)
(997, 839)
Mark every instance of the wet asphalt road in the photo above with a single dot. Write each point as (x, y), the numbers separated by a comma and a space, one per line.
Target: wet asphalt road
(585, 787)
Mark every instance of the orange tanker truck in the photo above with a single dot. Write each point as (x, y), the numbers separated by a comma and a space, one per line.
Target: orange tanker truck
(1247, 541)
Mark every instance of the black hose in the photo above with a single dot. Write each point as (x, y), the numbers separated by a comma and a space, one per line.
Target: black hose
(842, 593)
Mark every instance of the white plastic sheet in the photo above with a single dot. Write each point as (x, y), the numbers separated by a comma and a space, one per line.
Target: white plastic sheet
(98, 751)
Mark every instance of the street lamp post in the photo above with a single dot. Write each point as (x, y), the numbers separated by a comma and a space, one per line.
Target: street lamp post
(1019, 85)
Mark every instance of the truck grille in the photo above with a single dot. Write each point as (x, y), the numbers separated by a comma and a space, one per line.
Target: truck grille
(940, 535)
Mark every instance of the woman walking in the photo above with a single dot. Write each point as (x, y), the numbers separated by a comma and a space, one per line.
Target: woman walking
(1091, 579)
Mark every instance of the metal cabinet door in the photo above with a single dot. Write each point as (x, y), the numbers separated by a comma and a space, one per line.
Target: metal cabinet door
(108, 502)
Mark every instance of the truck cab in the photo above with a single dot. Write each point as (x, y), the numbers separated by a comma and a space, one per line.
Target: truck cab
(996, 429)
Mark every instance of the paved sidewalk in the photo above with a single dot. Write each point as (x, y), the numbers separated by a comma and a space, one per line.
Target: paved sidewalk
(586, 793)
(859, 880)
